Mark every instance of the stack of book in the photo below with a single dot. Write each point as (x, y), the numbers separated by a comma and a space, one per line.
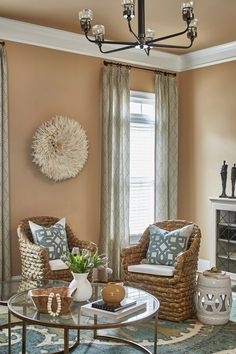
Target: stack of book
(126, 307)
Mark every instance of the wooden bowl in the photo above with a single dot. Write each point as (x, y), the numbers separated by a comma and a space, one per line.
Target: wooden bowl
(40, 299)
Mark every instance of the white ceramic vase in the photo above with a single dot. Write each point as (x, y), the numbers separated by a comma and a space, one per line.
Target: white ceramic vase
(83, 287)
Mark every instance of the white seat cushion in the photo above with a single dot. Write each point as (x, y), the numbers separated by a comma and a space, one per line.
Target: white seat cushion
(57, 264)
(154, 269)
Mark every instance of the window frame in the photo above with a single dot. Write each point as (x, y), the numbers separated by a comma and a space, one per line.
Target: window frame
(140, 97)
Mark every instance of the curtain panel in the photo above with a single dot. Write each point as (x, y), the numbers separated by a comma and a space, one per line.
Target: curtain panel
(166, 147)
(115, 164)
(5, 268)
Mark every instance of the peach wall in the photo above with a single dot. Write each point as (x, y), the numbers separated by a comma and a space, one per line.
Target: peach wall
(43, 83)
(207, 136)
(141, 80)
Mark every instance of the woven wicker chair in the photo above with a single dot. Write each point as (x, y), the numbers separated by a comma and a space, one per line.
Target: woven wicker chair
(34, 258)
(175, 293)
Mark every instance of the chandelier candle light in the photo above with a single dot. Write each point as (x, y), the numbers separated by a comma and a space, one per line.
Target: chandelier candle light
(145, 39)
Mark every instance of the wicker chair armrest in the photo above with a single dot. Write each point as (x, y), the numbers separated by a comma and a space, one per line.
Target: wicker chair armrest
(35, 261)
(132, 255)
(181, 259)
(139, 248)
(88, 245)
(35, 249)
(188, 256)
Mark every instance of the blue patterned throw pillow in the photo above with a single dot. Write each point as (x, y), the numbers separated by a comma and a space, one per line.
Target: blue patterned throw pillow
(52, 238)
(165, 246)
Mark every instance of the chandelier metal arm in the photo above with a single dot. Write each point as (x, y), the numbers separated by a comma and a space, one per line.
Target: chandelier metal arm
(130, 29)
(121, 43)
(89, 39)
(115, 50)
(173, 46)
(169, 36)
(147, 51)
(110, 42)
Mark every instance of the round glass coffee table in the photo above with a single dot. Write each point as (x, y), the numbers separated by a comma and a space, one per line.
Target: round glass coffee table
(21, 306)
(8, 288)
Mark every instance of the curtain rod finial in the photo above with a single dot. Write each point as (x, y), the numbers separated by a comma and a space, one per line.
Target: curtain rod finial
(106, 63)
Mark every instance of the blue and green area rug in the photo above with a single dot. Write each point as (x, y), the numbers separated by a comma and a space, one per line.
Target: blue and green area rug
(190, 337)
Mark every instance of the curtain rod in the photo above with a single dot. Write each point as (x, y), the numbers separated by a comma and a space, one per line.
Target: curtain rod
(139, 68)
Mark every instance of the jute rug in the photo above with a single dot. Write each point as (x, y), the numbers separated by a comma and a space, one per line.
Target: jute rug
(190, 337)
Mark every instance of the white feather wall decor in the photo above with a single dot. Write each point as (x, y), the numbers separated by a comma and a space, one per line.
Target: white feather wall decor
(60, 148)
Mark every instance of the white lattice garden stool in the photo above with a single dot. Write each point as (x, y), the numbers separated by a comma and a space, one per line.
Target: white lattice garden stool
(213, 299)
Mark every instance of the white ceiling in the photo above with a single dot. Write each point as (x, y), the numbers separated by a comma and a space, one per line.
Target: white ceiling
(217, 23)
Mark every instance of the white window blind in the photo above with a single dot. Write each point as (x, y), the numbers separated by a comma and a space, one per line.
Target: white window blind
(142, 148)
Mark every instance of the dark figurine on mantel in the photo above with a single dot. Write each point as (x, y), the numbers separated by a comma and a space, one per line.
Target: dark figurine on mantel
(233, 179)
(223, 174)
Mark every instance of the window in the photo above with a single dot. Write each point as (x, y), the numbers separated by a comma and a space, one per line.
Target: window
(142, 148)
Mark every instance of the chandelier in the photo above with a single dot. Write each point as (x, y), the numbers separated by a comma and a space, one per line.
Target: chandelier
(145, 39)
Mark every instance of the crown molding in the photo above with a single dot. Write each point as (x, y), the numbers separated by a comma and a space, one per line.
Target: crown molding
(209, 56)
(27, 33)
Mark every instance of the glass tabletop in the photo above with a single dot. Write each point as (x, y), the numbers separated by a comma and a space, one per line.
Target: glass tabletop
(21, 306)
